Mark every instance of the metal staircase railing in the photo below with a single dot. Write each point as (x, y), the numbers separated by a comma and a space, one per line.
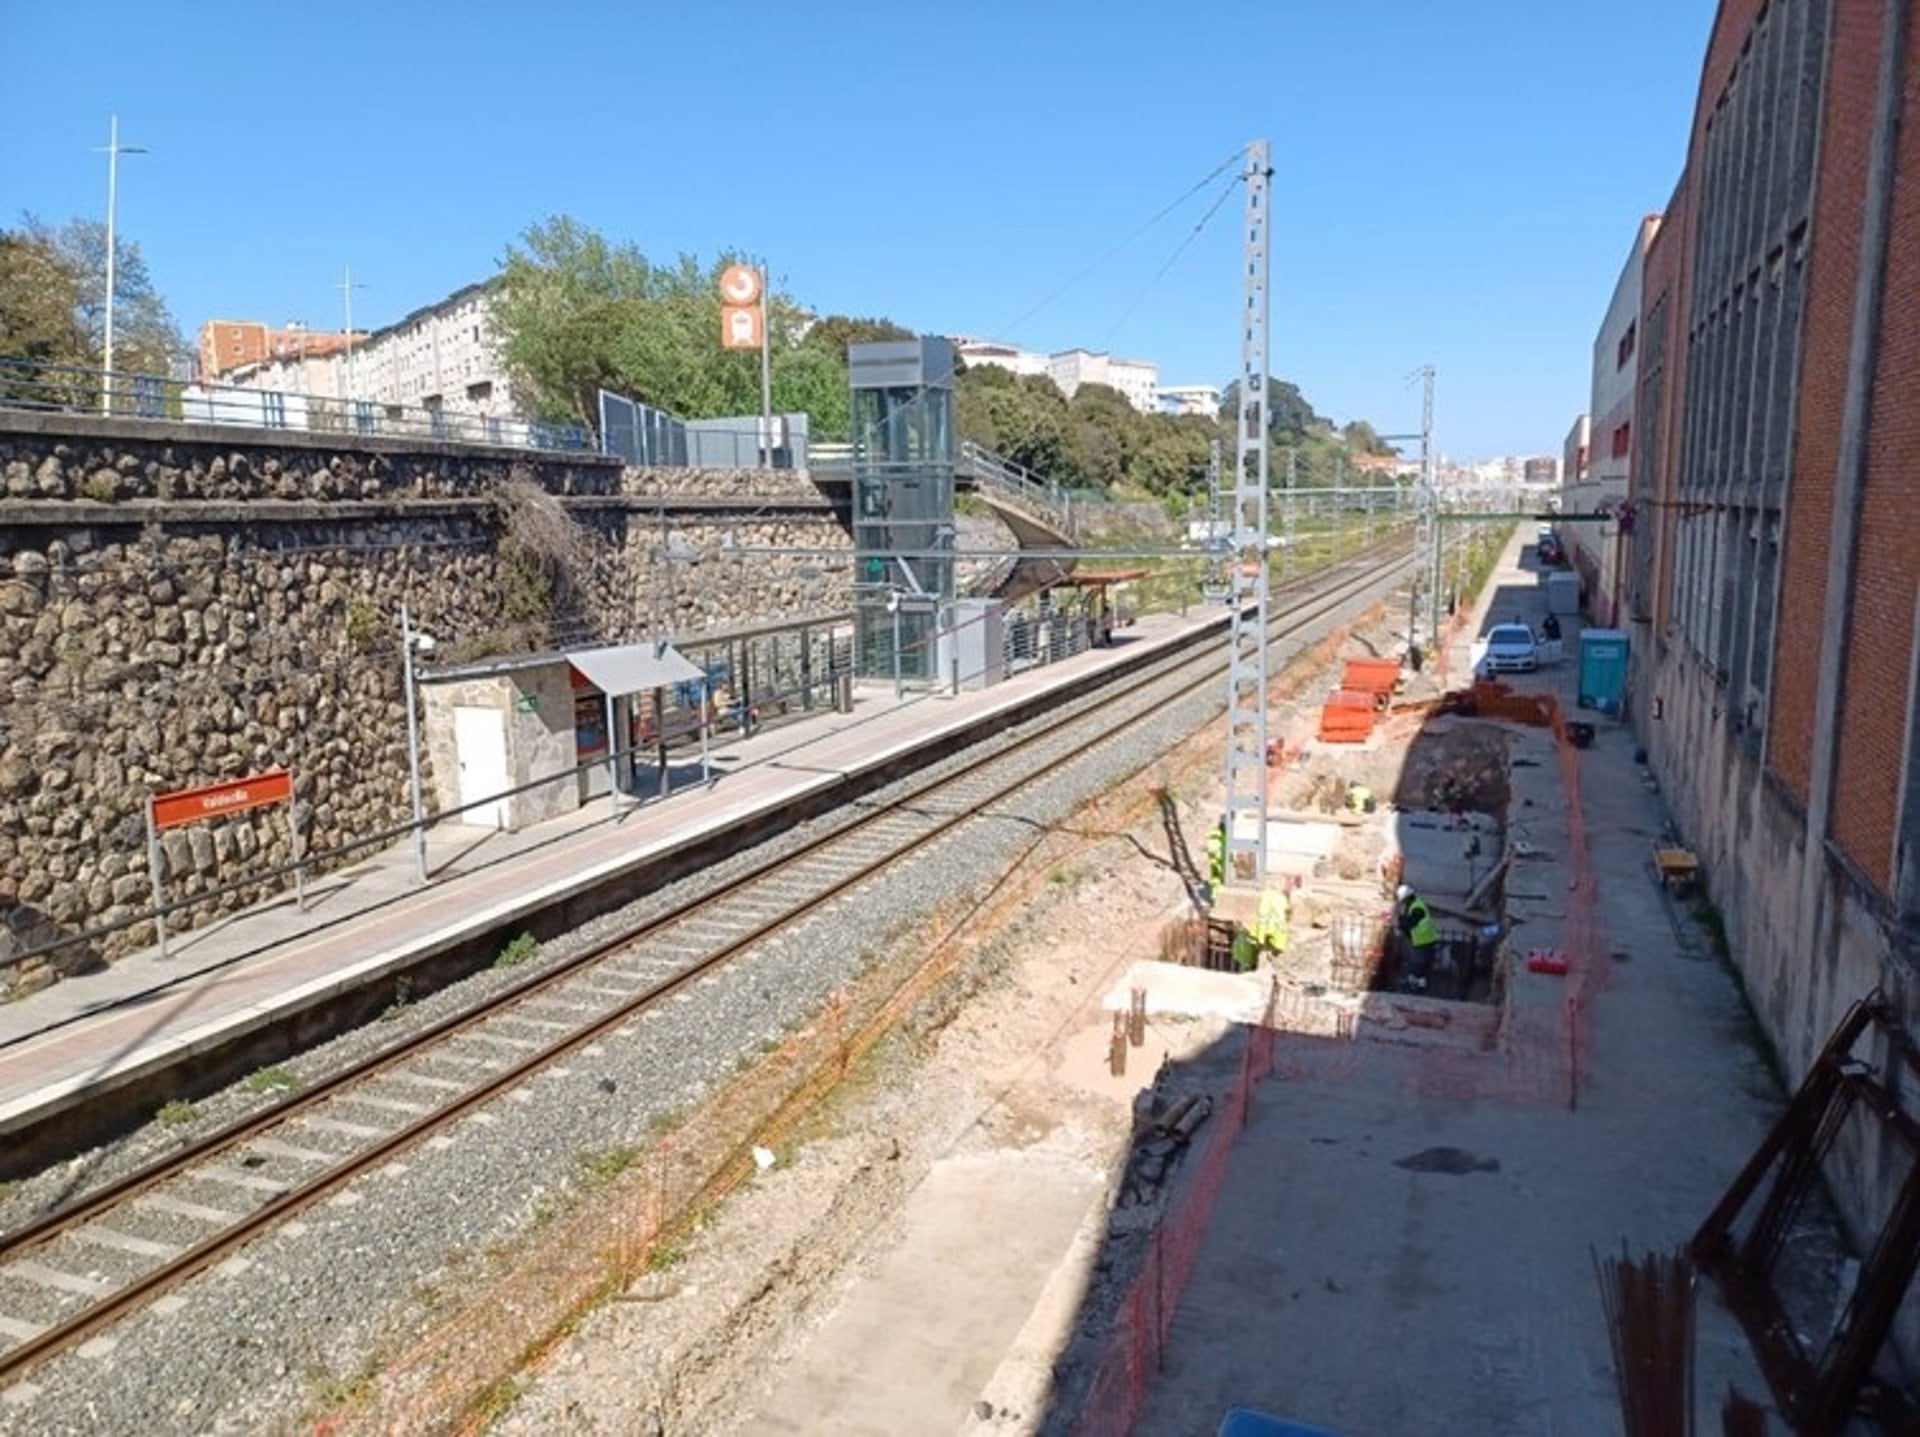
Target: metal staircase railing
(1046, 501)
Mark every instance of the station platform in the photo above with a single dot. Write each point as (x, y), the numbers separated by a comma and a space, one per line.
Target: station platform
(95, 1052)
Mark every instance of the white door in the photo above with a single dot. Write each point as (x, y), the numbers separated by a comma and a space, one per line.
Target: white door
(480, 748)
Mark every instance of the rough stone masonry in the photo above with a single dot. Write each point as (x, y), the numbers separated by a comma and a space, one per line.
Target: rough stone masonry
(181, 605)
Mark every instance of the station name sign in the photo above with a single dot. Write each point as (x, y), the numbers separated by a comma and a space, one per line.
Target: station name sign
(190, 805)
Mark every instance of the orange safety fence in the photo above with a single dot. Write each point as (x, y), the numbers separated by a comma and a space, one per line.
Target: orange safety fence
(1378, 677)
(1144, 1319)
(1347, 717)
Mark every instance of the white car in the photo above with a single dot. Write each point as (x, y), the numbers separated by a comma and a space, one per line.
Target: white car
(1509, 649)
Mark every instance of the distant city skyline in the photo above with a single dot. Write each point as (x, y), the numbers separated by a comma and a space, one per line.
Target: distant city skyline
(1448, 190)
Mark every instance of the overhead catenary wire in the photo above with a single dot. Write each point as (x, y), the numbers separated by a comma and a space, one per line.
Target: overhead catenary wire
(1178, 250)
(1235, 158)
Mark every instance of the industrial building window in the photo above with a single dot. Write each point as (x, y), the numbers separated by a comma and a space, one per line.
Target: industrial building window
(1623, 440)
(1626, 346)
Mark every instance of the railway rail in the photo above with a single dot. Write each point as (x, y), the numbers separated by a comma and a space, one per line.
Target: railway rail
(264, 1169)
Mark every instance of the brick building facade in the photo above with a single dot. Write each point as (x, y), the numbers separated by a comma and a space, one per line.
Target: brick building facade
(1774, 564)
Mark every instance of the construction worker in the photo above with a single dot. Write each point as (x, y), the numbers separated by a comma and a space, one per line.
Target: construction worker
(1415, 922)
(1270, 923)
(1217, 856)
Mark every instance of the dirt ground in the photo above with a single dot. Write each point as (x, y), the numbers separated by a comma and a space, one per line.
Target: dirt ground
(933, 1253)
(957, 1168)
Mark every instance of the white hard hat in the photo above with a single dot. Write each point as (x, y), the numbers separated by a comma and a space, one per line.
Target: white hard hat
(1403, 892)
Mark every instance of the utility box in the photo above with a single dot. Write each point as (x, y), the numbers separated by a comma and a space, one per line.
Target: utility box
(973, 644)
(1603, 670)
(1563, 593)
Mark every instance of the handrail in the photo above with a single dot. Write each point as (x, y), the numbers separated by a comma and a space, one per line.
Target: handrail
(31, 385)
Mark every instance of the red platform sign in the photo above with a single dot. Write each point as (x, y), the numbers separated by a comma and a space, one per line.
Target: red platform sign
(190, 805)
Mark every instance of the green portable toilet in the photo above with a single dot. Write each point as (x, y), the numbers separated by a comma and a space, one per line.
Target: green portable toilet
(1603, 669)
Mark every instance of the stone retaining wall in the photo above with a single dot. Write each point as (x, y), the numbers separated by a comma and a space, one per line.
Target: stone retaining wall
(180, 605)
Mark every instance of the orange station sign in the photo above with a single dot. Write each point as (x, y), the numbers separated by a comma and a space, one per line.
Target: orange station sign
(190, 805)
(742, 316)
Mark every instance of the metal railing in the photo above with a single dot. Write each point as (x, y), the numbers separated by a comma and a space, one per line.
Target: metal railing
(1045, 499)
(27, 384)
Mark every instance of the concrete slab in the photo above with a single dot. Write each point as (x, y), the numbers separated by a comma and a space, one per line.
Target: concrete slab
(1176, 991)
(1426, 1264)
(927, 1329)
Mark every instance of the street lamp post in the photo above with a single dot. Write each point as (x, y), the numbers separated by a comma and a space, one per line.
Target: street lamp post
(114, 151)
(347, 287)
(411, 640)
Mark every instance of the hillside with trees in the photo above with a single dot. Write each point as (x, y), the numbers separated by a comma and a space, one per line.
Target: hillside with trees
(576, 313)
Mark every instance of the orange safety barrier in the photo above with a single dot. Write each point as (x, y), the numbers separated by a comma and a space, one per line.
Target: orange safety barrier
(1347, 717)
(1378, 677)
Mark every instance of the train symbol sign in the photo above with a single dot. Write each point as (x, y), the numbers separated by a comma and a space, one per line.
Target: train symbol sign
(739, 328)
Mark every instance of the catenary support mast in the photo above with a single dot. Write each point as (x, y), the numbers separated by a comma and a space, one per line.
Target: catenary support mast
(1246, 808)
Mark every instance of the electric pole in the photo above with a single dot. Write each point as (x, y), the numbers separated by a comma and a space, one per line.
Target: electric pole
(1246, 807)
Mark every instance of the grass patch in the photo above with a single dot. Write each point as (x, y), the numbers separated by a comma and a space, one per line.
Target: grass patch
(521, 948)
(599, 1169)
(496, 1399)
(271, 1082)
(177, 1112)
(333, 1393)
(664, 1256)
(666, 1121)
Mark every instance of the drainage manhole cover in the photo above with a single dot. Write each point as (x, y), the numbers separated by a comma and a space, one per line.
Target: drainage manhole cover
(1447, 1160)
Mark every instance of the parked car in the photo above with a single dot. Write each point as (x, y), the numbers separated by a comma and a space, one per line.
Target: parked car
(1510, 649)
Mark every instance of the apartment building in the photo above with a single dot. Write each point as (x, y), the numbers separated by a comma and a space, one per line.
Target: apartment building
(442, 357)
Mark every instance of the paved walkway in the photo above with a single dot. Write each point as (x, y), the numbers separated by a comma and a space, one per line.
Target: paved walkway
(144, 1012)
(1406, 1237)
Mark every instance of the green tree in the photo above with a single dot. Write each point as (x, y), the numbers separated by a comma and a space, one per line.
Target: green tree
(53, 290)
(576, 314)
(39, 304)
(1362, 438)
(1288, 413)
(832, 333)
(1020, 417)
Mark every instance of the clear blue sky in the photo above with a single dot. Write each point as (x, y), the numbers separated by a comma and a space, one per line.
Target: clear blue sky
(1457, 181)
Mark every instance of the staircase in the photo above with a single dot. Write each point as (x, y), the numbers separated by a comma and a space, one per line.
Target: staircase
(1039, 514)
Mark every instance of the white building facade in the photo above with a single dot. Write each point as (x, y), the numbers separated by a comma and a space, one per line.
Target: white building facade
(439, 358)
(1190, 399)
(1137, 380)
(999, 355)
(1596, 547)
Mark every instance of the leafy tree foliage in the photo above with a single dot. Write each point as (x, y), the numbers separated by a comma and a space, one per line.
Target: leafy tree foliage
(577, 313)
(53, 288)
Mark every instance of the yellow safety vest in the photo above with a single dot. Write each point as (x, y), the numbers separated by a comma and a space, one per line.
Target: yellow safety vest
(1270, 922)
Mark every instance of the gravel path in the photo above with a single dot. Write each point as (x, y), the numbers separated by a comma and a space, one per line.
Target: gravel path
(289, 1325)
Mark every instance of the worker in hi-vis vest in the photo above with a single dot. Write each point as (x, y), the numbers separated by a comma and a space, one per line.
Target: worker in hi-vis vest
(1415, 921)
(1217, 856)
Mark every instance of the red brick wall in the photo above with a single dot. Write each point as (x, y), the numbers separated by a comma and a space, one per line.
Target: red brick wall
(227, 344)
(1846, 130)
(1874, 721)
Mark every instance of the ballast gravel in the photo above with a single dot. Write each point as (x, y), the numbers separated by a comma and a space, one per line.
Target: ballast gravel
(287, 1327)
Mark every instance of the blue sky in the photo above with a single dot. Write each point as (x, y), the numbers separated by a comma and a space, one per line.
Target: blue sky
(1457, 181)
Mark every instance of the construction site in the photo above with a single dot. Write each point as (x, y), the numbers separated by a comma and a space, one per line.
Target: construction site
(1122, 1172)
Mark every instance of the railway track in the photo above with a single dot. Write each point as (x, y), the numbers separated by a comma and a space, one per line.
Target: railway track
(90, 1263)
